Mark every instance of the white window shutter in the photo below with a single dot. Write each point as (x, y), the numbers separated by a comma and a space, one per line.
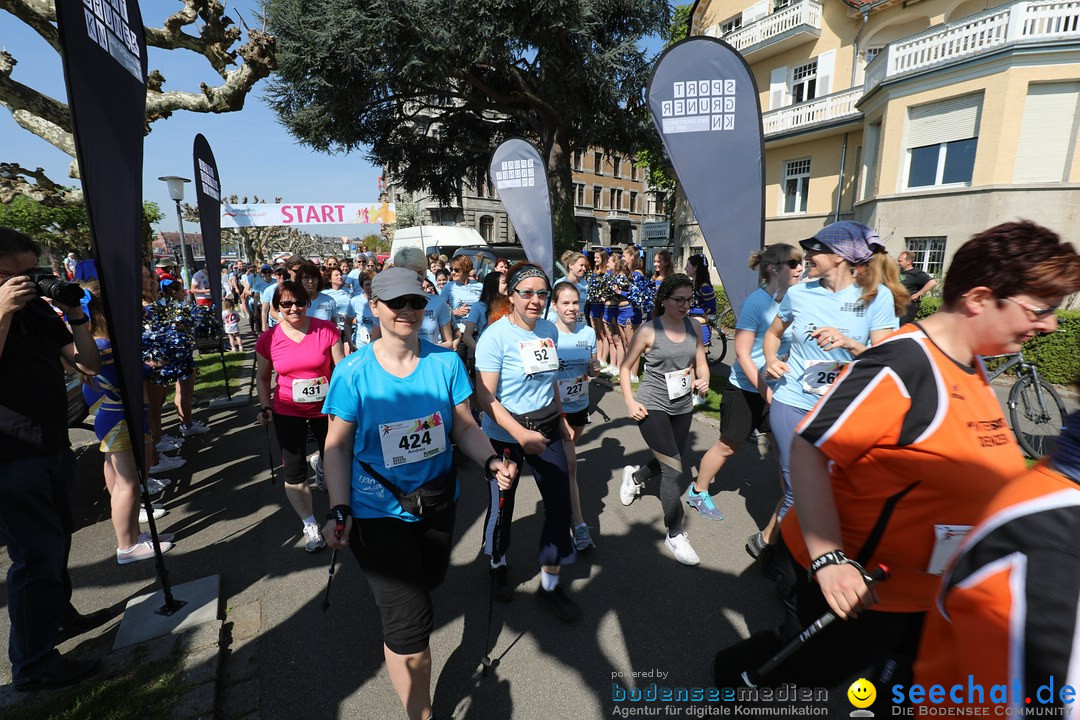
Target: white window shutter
(1045, 133)
(755, 12)
(825, 64)
(778, 88)
(953, 119)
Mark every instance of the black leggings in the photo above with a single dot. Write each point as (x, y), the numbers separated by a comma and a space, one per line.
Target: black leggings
(292, 439)
(403, 562)
(549, 469)
(666, 435)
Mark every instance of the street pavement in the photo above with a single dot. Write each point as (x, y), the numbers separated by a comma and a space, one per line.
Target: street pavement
(284, 658)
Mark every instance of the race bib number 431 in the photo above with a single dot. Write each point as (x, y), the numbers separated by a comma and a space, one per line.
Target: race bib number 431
(309, 390)
(409, 441)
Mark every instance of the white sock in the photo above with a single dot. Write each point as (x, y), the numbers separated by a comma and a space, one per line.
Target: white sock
(548, 581)
(498, 563)
(310, 520)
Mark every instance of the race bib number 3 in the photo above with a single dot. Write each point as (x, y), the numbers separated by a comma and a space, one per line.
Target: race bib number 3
(309, 390)
(574, 388)
(820, 375)
(410, 441)
(679, 383)
(538, 356)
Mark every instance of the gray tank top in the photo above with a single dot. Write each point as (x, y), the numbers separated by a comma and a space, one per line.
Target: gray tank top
(666, 356)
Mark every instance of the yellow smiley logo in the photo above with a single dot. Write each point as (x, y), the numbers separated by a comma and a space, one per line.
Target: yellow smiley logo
(862, 693)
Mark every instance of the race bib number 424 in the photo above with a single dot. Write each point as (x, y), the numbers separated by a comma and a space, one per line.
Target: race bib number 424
(410, 441)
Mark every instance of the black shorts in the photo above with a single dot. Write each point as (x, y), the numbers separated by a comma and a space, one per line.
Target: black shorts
(403, 562)
(579, 418)
(742, 412)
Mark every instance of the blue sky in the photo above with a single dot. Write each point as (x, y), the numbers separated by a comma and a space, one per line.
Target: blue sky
(255, 155)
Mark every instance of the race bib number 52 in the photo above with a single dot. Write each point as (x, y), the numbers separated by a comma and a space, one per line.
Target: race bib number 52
(538, 356)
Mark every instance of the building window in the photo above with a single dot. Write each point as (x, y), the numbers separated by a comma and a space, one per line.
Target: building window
(796, 185)
(779, 5)
(871, 53)
(611, 200)
(633, 202)
(928, 253)
(634, 171)
(487, 228)
(598, 163)
(804, 82)
(579, 159)
(616, 164)
(942, 139)
(731, 25)
(579, 194)
(596, 195)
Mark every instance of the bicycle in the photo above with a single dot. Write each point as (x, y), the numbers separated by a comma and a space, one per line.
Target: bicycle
(720, 326)
(1036, 411)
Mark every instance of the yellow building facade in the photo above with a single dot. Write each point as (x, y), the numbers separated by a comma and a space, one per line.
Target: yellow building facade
(929, 120)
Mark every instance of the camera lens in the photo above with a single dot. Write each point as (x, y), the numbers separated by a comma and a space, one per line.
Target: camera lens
(65, 293)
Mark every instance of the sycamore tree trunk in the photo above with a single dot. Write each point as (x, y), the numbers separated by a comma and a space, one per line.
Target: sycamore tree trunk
(556, 148)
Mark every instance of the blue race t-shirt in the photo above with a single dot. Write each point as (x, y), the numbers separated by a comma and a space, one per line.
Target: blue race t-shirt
(342, 307)
(478, 316)
(403, 425)
(504, 348)
(455, 294)
(322, 307)
(756, 315)
(267, 298)
(365, 320)
(576, 349)
(810, 306)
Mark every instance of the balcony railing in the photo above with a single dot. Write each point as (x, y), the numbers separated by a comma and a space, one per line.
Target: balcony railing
(822, 110)
(749, 38)
(987, 32)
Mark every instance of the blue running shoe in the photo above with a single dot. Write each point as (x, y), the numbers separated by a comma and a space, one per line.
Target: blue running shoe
(703, 503)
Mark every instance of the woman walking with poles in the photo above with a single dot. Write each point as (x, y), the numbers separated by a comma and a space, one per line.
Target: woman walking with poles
(302, 351)
(395, 406)
(517, 366)
(675, 368)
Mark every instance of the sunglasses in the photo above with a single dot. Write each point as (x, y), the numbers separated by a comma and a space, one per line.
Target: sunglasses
(1038, 312)
(793, 263)
(289, 304)
(680, 300)
(530, 294)
(416, 302)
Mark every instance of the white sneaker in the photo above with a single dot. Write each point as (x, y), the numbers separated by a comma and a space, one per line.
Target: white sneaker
(159, 512)
(139, 551)
(195, 428)
(629, 489)
(161, 536)
(154, 486)
(167, 463)
(316, 465)
(313, 538)
(680, 548)
(167, 445)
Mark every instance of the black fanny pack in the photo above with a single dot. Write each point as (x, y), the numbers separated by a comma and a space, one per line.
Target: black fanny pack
(544, 421)
(431, 497)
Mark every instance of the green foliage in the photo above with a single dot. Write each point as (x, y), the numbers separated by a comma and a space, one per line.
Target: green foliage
(679, 27)
(429, 88)
(60, 229)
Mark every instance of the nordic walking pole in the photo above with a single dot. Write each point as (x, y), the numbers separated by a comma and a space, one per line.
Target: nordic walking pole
(338, 530)
(487, 662)
(269, 448)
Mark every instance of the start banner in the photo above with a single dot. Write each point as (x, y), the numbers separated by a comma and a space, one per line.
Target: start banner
(270, 214)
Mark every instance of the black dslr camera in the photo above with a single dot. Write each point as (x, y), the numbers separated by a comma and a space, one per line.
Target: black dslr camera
(50, 286)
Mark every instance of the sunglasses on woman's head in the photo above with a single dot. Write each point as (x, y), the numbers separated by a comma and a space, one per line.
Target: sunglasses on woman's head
(287, 304)
(416, 302)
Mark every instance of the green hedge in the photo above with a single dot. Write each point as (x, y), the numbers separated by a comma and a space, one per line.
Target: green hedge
(1054, 353)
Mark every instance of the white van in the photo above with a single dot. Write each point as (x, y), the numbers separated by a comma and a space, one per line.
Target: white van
(444, 239)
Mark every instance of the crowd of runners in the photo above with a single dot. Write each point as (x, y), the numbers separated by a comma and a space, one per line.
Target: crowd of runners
(884, 433)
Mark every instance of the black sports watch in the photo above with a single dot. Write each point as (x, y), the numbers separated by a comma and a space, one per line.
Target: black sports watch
(338, 513)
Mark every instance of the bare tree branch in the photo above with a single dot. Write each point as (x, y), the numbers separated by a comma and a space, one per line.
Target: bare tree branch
(39, 15)
(45, 191)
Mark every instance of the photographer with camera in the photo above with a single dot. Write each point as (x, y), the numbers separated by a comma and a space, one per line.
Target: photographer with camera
(37, 465)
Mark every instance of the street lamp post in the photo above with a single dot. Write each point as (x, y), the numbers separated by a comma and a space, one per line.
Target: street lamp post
(176, 192)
